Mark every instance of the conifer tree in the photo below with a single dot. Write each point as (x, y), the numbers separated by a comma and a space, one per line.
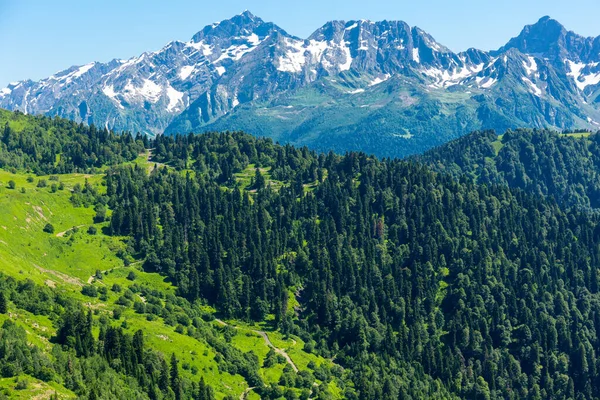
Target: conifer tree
(3, 303)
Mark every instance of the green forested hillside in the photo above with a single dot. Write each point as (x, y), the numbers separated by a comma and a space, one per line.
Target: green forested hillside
(57, 263)
(545, 163)
(233, 266)
(417, 284)
(54, 145)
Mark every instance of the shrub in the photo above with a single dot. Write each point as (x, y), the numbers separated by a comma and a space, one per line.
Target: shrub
(89, 290)
(49, 228)
(12, 184)
(117, 312)
(123, 301)
(22, 384)
(100, 214)
(139, 307)
(309, 347)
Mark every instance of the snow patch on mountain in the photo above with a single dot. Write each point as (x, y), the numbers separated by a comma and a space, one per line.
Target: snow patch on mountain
(237, 51)
(109, 91)
(379, 80)
(363, 46)
(445, 78)
(534, 88)
(185, 72)
(582, 80)
(293, 60)
(253, 39)
(330, 55)
(149, 91)
(175, 98)
(316, 49)
(345, 66)
(69, 77)
(530, 67)
(415, 55)
(485, 82)
(206, 49)
(82, 70)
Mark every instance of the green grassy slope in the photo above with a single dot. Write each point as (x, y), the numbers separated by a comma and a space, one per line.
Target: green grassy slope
(69, 259)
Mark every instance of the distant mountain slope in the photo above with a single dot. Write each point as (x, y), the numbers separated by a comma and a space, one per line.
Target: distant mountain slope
(382, 87)
(563, 166)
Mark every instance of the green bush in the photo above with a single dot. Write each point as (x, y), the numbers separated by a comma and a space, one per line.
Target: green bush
(49, 228)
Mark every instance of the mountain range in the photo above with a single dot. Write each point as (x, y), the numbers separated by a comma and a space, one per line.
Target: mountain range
(381, 87)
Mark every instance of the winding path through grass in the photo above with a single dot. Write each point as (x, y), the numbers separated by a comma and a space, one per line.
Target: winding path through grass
(152, 164)
(264, 335)
(61, 234)
(245, 393)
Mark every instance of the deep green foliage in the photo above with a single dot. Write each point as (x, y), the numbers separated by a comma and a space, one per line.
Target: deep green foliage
(421, 285)
(49, 228)
(116, 365)
(47, 145)
(542, 162)
(3, 303)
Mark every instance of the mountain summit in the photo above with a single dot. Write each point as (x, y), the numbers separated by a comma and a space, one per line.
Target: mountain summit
(549, 39)
(383, 87)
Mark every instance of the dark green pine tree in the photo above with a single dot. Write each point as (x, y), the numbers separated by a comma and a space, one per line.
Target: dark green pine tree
(3, 303)
(138, 346)
(205, 392)
(163, 380)
(175, 379)
(259, 180)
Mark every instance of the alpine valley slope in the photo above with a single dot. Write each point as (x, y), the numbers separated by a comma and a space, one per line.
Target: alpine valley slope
(380, 87)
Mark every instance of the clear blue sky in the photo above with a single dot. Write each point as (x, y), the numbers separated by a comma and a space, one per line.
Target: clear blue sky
(41, 37)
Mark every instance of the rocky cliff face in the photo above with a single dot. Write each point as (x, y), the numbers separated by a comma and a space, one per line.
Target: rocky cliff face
(383, 87)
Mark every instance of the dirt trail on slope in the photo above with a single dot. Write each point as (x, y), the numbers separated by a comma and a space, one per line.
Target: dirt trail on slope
(245, 393)
(64, 277)
(93, 277)
(264, 335)
(152, 164)
(61, 234)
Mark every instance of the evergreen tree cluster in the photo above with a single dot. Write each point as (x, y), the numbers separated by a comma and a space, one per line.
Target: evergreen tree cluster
(542, 162)
(418, 284)
(116, 365)
(47, 145)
